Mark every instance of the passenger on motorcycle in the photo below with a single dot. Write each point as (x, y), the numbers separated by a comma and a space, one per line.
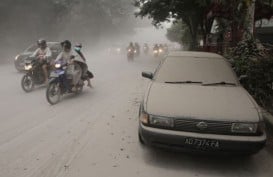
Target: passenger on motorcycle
(131, 47)
(44, 55)
(87, 73)
(65, 58)
(137, 48)
(146, 48)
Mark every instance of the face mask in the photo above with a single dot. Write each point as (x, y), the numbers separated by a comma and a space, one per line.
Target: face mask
(77, 49)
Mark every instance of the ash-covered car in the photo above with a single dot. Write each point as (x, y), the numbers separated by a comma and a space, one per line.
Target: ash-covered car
(19, 61)
(195, 102)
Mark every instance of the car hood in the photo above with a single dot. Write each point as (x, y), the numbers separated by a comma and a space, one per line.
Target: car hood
(219, 103)
(25, 55)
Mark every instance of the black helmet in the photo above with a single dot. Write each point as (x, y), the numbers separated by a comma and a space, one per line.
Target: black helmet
(66, 44)
(42, 43)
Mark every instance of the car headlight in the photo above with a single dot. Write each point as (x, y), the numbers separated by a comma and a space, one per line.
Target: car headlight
(161, 121)
(28, 67)
(17, 56)
(144, 118)
(57, 65)
(129, 50)
(155, 51)
(244, 127)
(160, 50)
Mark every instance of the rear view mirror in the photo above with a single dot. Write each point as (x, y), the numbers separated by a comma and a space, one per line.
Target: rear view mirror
(148, 75)
(242, 77)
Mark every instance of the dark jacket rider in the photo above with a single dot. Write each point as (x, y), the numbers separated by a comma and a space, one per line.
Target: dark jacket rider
(77, 49)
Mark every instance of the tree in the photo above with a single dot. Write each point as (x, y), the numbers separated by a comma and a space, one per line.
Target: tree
(191, 12)
(180, 33)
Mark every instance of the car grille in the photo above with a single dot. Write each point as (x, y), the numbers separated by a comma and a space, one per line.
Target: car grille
(213, 127)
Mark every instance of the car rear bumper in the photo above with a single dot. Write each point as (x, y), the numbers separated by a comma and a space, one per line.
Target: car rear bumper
(177, 140)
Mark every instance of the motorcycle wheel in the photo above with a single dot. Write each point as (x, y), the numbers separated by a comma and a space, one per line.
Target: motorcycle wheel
(27, 83)
(53, 93)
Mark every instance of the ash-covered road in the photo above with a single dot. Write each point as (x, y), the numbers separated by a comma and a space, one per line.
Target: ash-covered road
(95, 134)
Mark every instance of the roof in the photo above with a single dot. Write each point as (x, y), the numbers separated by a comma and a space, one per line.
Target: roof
(194, 54)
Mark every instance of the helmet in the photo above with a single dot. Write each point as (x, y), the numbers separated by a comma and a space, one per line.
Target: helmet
(42, 43)
(66, 44)
(79, 45)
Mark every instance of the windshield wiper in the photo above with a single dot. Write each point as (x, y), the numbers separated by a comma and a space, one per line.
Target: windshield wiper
(184, 82)
(220, 83)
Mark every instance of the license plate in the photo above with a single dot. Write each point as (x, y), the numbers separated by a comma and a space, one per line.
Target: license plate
(202, 143)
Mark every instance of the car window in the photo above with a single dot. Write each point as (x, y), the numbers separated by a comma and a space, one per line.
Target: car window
(205, 70)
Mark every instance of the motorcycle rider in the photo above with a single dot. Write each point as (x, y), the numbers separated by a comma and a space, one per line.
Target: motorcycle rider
(65, 57)
(77, 49)
(146, 48)
(44, 55)
(131, 46)
(156, 50)
(137, 48)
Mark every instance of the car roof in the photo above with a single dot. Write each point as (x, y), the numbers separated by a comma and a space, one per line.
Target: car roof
(194, 54)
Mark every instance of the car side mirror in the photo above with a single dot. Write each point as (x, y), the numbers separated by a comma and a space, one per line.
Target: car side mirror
(148, 75)
(242, 77)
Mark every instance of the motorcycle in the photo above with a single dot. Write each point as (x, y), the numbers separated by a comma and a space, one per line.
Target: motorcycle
(130, 54)
(156, 52)
(145, 50)
(74, 75)
(34, 74)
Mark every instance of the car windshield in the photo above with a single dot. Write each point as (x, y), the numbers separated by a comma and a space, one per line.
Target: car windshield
(196, 70)
(54, 46)
(31, 48)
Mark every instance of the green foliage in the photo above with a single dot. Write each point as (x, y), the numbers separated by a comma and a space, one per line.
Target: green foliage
(258, 66)
(191, 12)
(180, 33)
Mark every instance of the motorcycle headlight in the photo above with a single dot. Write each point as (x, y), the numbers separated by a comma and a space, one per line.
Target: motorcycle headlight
(17, 56)
(57, 65)
(118, 49)
(28, 67)
(161, 121)
(244, 127)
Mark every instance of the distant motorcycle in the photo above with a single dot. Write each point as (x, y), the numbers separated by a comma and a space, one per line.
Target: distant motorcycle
(130, 54)
(74, 75)
(34, 74)
(156, 52)
(145, 50)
